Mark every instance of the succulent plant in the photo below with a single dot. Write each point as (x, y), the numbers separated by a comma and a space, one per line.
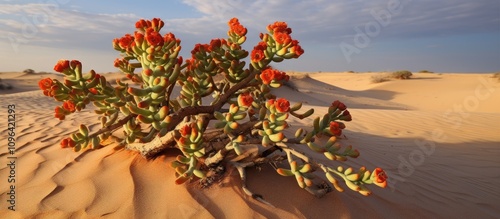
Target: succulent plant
(211, 121)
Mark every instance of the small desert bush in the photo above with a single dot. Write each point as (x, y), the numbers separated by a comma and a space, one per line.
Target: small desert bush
(496, 75)
(425, 71)
(29, 71)
(379, 78)
(404, 74)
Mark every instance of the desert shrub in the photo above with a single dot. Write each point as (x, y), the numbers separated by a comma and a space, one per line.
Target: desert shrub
(242, 114)
(425, 71)
(29, 71)
(351, 72)
(496, 75)
(404, 74)
(379, 78)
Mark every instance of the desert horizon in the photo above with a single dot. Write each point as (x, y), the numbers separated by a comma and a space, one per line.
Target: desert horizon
(435, 134)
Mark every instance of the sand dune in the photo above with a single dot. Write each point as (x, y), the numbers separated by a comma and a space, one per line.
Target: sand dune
(437, 136)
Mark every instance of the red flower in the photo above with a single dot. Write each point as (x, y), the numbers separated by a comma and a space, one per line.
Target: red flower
(75, 64)
(60, 113)
(281, 76)
(120, 63)
(186, 130)
(233, 21)
(169, 37)
(267, 76)
(245, 99)
(379, 177)
(126, 41)
(142, 24)
(67, 142)
(339, 105)
(282, 38)
(139, 37)
(279, 26)
(297, 50)
(282, 105)
(93, 90)
(346, 116)
(216, 43)
(45, 83)
(342, 106)
(239, 30)
(64, 143)
(61, 65)
(236, 28)
(154, 38)
(157, 24)
(257, 54)
(335, 128)
(69, 106)
(199, 48)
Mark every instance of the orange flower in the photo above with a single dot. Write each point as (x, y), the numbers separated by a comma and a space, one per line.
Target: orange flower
(233, 21)
(267, 76)
(186, 130)
(93, 90)
(126, 41)
(281, 76)
(61, 65)
(199, 48)
(157, 24)
(69, 106)
(216, 43)
(75, 64)
(139, 37)
(120, 63)
(282, 38)
(379, 177)
(45, 83)
(282, 105)
(169, 37)
(142, 24)
(154, 38)
(60, 113)
(279, 26)
(245, 99)
(239, 30)
(236, 28)
(257, 55)
(335, 128)
(64, 143)
(297, 50)
(67, 142)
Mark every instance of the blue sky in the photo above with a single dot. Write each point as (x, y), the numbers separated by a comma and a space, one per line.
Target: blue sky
(342, 35)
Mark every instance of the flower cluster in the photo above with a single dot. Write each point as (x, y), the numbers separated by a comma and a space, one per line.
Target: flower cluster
(276, 45)
(273, 77)
(48, 87)
(235, 28)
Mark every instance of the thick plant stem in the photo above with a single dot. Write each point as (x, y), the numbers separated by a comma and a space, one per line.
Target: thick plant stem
(160, 143)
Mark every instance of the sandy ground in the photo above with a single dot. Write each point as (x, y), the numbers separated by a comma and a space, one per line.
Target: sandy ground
(436, 135)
